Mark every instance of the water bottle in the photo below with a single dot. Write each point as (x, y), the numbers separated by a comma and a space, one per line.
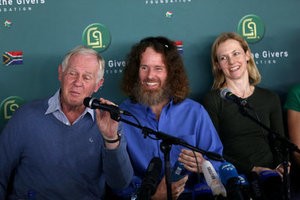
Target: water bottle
(178, 171)
(212, 179)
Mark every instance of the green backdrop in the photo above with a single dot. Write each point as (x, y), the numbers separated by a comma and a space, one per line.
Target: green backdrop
(45, 30)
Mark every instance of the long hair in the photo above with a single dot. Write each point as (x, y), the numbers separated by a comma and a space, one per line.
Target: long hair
(176, 79)
(219, 77)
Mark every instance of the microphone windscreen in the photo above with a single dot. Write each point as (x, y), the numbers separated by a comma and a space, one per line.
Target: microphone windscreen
(231, 180)
(224, 92)
(256, 190)
(271, 184)
(202, 190)
(150, 180)
(243, 180)
(268, 175)
(227, 171)
(87, 101)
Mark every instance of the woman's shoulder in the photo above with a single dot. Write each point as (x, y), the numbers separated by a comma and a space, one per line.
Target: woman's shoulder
(266, 93)
(212, 98)
(212, 93)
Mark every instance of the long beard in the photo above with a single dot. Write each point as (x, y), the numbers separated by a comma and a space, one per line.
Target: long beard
(151, 97)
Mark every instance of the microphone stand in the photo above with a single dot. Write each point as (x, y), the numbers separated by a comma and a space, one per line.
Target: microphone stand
(165, 146)
(286, 147)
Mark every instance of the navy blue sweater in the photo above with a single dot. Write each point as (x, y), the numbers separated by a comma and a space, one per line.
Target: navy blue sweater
(57, 161)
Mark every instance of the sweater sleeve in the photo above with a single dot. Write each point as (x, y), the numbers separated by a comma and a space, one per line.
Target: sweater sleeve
(117, 167)
(10, 151)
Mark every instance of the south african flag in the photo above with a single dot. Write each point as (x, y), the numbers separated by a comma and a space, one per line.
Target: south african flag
(13, 58)
(179, 45)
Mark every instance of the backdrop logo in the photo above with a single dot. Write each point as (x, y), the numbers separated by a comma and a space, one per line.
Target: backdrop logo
(19, 5)
(9, 105)
(12, 58)
(115, 66)
(251, 28)
(97, 37)
(7, 23)
(270, 57)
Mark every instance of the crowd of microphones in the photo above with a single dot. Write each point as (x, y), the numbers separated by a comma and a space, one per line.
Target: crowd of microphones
(227, 184)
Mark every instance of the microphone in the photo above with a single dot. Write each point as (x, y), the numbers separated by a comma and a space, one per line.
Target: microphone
(244, 186)
(255, 186)
(203, 191)
(271, 184)
(150, 180)
(231, 180)
(226, 94)
(212, 179)
(94, 103)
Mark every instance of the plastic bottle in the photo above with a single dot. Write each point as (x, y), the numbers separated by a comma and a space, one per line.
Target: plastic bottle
(212, 179)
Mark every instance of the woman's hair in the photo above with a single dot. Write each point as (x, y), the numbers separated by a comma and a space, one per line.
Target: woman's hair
(219, 77)
(177, 79)
(85, 50)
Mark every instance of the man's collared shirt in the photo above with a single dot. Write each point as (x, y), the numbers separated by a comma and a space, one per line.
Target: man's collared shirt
(54, 107)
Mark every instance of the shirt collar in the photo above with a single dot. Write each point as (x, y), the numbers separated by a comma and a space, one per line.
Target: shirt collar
(54, 106)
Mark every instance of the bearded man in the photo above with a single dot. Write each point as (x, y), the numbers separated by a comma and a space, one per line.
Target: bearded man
(157, 86)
